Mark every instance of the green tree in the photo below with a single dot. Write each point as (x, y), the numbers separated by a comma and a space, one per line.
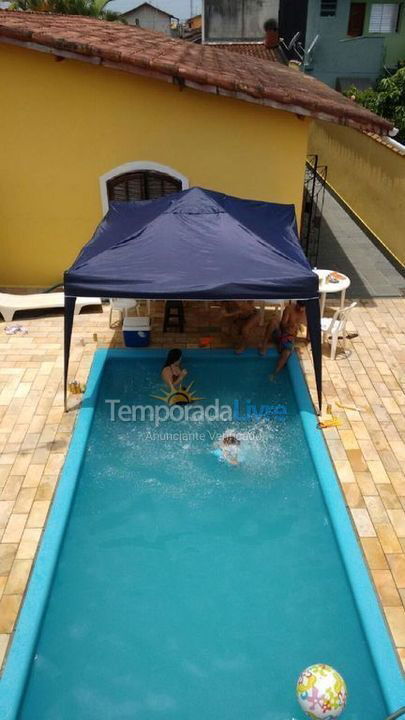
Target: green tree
(90, 8)
(387, 99)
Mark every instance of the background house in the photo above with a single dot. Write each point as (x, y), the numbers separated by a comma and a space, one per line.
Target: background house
(191, 29)
(338, 41)
(239, 27)
(224, 20)
(143, 14)
(343, 42)
(164, 115)
(194, 23)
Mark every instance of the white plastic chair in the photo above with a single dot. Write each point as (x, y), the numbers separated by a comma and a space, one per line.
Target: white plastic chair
(123, 305)
(10, 304)
(336, 327)
(278, 304)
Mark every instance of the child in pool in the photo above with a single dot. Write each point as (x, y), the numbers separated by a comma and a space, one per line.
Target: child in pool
(172, 372)
(229, 449)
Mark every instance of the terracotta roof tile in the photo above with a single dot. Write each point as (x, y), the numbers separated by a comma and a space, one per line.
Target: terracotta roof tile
(249, 78)
(251, 49)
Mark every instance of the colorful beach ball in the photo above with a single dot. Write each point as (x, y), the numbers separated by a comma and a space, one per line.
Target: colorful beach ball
(321, 692)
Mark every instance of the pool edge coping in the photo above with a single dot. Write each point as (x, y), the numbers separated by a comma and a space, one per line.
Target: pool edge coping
(19, 657)
(375, 627)
(16, 669)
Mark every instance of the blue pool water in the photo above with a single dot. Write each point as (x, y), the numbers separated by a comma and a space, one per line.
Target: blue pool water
(190, 589)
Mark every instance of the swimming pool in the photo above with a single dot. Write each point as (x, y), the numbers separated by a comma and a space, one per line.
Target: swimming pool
(186, 588)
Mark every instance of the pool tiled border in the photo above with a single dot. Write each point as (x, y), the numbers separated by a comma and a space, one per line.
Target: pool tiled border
(19, 658)
(17, 666)
(376, 631)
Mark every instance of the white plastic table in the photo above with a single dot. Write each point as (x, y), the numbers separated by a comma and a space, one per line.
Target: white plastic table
(326, 287)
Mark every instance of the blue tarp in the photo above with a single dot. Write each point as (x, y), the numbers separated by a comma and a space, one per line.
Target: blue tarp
(196, 244)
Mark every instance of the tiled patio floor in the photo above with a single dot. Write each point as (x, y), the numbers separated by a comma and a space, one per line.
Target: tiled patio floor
(368, 449)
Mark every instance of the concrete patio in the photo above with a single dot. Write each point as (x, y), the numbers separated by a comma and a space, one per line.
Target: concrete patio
(368, 449)
(345, 247)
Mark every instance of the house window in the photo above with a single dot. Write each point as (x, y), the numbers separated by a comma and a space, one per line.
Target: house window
(384, 18)
(356, 19)
(328, 8)
(141, 185)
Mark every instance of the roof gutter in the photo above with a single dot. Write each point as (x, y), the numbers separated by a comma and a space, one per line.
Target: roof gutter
(184, 82)
(394, 143)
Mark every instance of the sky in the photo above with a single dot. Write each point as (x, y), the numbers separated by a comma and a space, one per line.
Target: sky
(179, 8)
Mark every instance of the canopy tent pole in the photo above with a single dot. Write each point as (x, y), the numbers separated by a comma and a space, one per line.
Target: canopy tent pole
(70, 303)
(314, 328)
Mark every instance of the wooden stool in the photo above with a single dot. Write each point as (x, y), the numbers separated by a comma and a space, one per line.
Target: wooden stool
(174, 316)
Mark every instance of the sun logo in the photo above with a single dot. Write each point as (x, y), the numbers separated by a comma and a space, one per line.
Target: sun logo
(178, 396)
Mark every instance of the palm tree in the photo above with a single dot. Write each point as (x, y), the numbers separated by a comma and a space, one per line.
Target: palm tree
(90, 8)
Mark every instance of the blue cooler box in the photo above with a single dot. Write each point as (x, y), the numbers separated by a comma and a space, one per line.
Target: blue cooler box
(136, 331)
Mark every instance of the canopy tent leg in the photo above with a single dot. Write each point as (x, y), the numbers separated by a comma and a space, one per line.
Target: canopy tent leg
(314, 329)
(70, 303)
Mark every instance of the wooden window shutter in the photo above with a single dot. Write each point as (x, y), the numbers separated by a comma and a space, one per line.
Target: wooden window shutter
(141, 185)
(356, 19)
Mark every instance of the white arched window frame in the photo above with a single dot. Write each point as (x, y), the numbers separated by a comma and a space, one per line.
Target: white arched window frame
(133, 167)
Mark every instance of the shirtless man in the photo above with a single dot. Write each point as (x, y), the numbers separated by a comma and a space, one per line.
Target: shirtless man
(284, 333)
(245, 316)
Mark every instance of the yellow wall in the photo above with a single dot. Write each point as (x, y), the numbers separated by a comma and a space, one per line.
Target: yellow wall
(195, 22)
(369, 177)
(64, 124)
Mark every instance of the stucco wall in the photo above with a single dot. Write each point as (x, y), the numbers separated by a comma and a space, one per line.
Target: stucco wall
(150, 19)
(394, 43)
(68, 123)
(336, 54)
(369, 177)
(241, 19)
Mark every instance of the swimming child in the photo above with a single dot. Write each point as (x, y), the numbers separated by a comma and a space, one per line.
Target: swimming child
(229, 449)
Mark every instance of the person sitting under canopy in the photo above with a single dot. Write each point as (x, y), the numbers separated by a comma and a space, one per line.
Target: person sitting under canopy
(245, 317)
(284, 332)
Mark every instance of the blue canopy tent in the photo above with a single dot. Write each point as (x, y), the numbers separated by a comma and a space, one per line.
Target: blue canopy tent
(198, 245)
